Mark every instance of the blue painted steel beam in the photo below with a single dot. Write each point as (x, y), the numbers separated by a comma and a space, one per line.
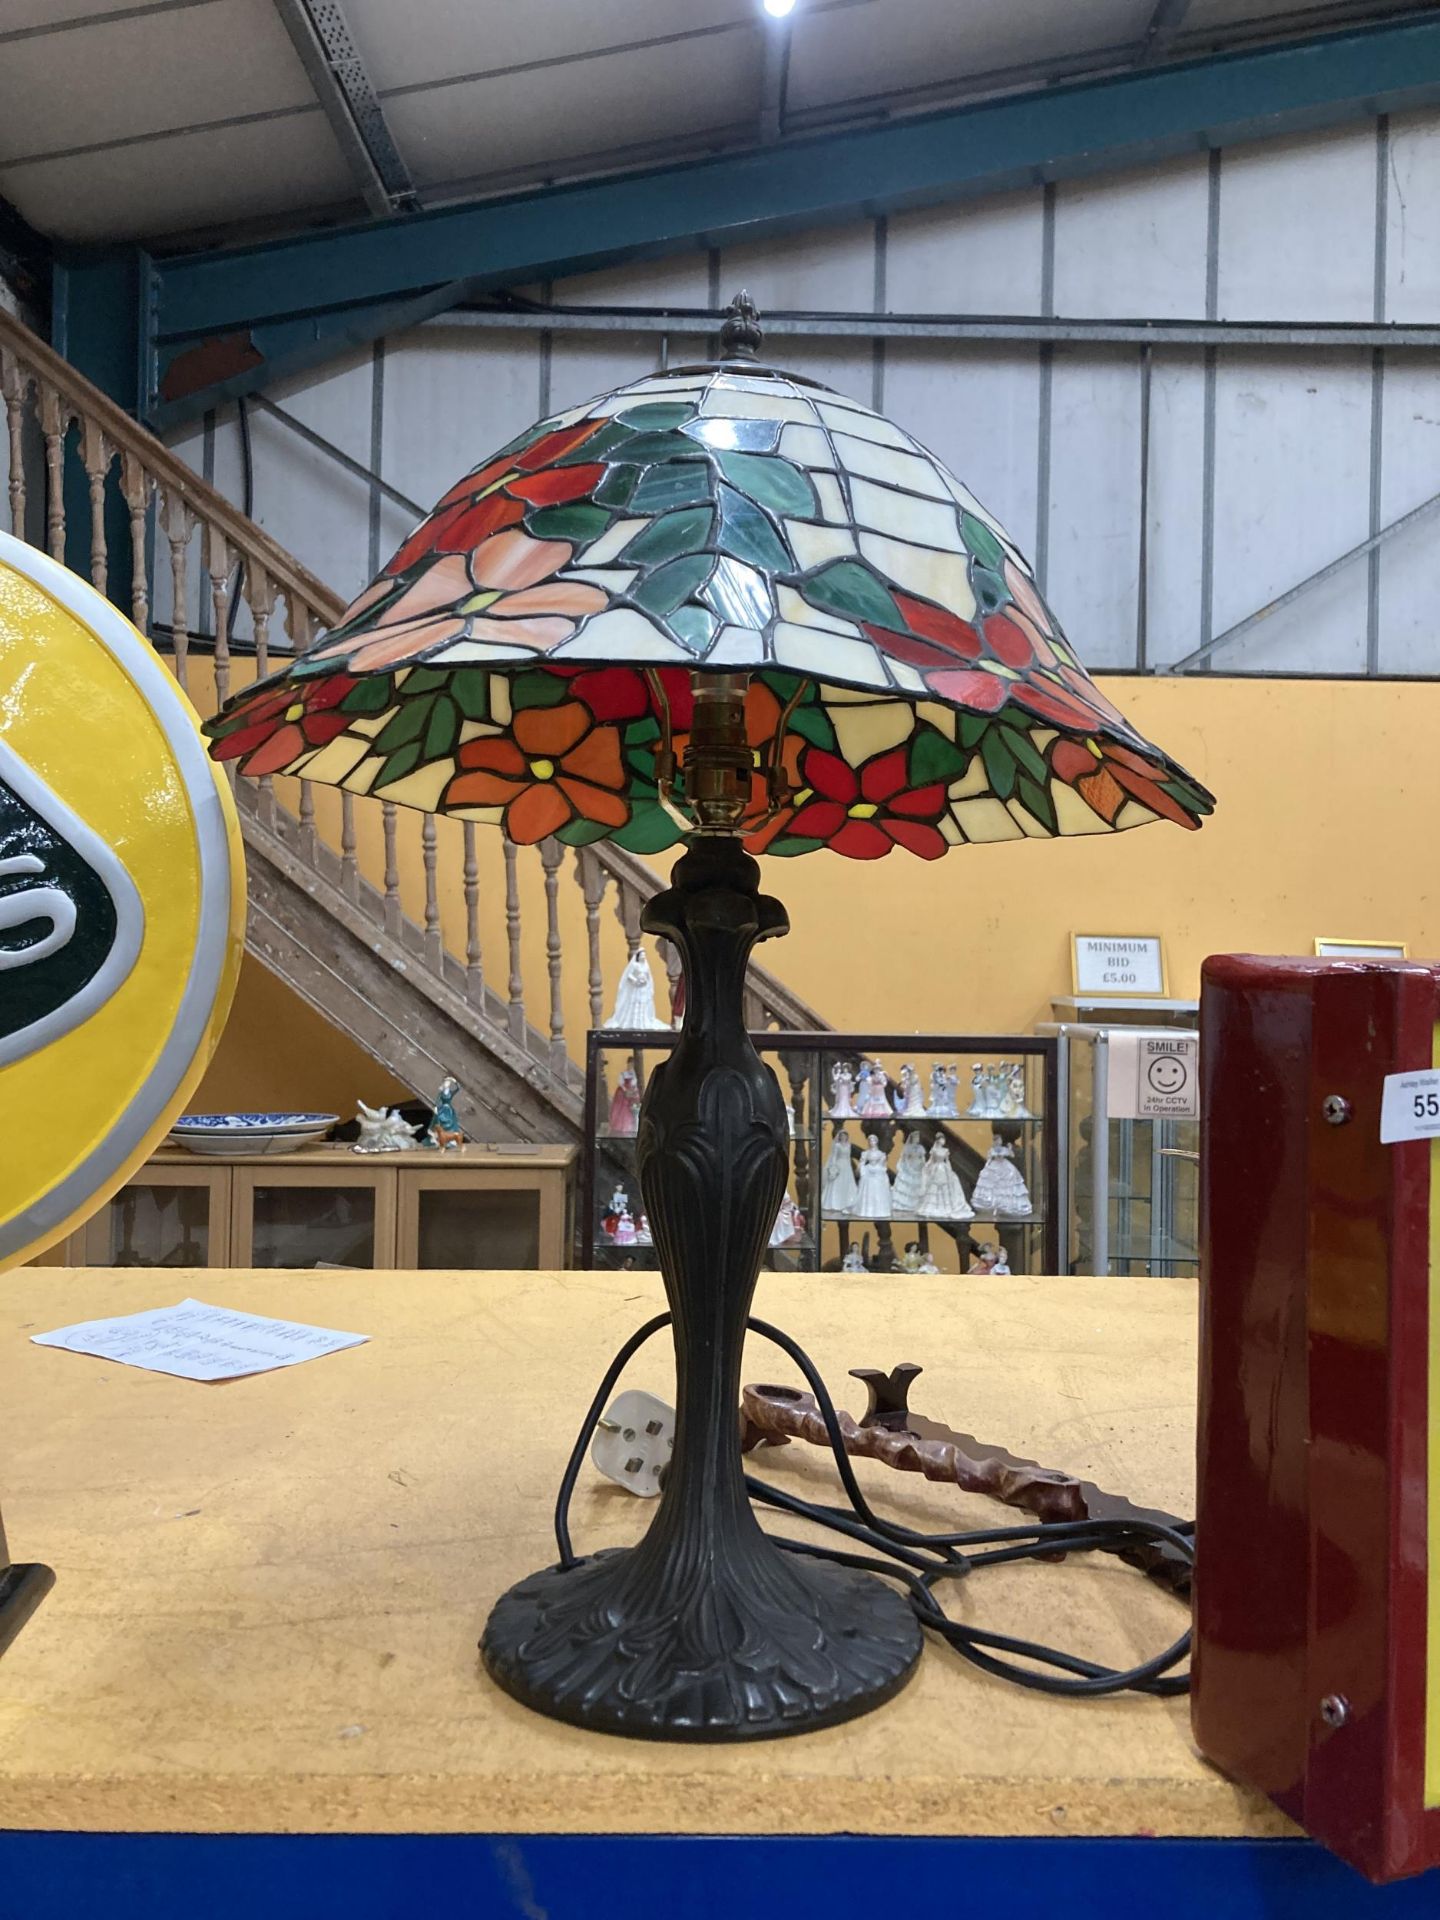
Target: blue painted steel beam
(229, 321)
(1129, 120)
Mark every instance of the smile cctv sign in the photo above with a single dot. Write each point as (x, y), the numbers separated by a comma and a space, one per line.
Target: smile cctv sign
(1154, 1076)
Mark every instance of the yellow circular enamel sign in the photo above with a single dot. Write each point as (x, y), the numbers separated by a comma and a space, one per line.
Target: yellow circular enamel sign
(122, 897)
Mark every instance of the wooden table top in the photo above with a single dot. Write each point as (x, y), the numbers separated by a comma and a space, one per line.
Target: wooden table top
(269, 1592)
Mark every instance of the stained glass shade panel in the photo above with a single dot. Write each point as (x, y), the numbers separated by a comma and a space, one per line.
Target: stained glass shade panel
(508, 664)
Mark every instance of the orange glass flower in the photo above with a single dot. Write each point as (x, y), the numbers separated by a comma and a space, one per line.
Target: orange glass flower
(554, 766)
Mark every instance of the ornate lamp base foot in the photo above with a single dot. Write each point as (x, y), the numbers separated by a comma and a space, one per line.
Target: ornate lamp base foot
(770, 1644)
(21, 1591)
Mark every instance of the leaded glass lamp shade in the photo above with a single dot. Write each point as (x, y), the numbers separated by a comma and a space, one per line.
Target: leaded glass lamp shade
(729, 606)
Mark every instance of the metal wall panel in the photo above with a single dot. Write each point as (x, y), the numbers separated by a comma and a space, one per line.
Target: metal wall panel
(1133, 244)
(1094, 503)
(1292, 448)
(1297, 228)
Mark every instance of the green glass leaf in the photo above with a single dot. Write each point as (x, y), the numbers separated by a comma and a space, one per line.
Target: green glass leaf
(578, 521)
(647, 449)
(648, 830)
(933, 757)
(981, 541)
(442, 730)
(615, 489)
(812, 723)
(748, 534)
(669, 535)
(973, 728)
(397, 766)
(786, 844)
(1186, 795)
(850, 589)
(425, 680)
(1035, 798)
(1022, 746)
(580, 833)
(470, 690)
(678, 483)
(999, 762)
(536, 688)
(663, 590)
(693, 627)
(654, 416)
(640, 731)
(373, 694)
(774, 482)
(408, 722)
(990, 590)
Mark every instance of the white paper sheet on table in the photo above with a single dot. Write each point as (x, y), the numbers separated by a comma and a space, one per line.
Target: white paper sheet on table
(199, 1342)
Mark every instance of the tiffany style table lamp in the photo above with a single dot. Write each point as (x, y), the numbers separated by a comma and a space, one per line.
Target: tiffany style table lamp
(724, 605)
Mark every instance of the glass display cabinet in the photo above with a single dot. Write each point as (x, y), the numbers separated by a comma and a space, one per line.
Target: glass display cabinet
(175, 1214)
(1132, 1186)
(964, 1178)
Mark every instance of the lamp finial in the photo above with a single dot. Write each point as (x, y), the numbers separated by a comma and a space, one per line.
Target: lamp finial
(740, 335)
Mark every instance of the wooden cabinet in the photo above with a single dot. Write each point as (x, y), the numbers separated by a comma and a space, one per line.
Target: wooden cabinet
(495, 1208)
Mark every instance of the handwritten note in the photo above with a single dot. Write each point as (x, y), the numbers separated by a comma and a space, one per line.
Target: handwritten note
(199, 1342)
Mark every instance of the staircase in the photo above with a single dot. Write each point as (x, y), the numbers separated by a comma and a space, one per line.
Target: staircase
(437, 946)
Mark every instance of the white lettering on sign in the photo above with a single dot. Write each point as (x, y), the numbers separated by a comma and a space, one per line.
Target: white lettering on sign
(1410, 1107)
(1116, 964)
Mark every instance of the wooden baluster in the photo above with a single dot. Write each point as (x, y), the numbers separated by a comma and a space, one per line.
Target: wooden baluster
(179, 524)
(388, 813)
(434, 945)
(217, 565)
(297, 621)
(628, 903)
(516, 1010)
(474, 960)
(54, 420)
(95, 457)
(260, 597)
(670, 954)
(551, 855)
(135, 486)
(593, 881)
(15, 385)
(349, 864)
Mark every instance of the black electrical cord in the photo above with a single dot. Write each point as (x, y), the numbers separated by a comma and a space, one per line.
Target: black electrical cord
(919, 1561)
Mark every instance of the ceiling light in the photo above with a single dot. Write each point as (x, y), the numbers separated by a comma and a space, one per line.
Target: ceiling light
(779, 8)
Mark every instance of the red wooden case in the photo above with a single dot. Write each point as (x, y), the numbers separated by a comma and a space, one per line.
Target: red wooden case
(1314, 1516)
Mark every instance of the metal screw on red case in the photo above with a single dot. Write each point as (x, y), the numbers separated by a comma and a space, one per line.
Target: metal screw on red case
(1336, 1109)
(1334, 1709)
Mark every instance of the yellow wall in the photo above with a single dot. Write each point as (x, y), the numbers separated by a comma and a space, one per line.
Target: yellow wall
(276, 1052)
(1327, 792)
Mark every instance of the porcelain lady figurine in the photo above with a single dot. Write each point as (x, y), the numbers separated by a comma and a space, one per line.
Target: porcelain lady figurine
(909, 1179)
(624, 1234)
(942, 1197)
(943, 1082)
(842, 1092)
(854, 1261)
(635, 996)
(837, 1188)
(872, 1198)
(625, 1107)
(1016, 1103)
(910, 1094)
(444, 1129)
(873, 1103)
(789, 1223)
(1001, 1188)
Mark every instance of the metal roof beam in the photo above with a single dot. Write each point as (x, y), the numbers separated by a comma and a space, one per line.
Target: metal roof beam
(322, 38)
(290, 304)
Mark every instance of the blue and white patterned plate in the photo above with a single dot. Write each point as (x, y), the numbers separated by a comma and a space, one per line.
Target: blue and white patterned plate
(250, 1136)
